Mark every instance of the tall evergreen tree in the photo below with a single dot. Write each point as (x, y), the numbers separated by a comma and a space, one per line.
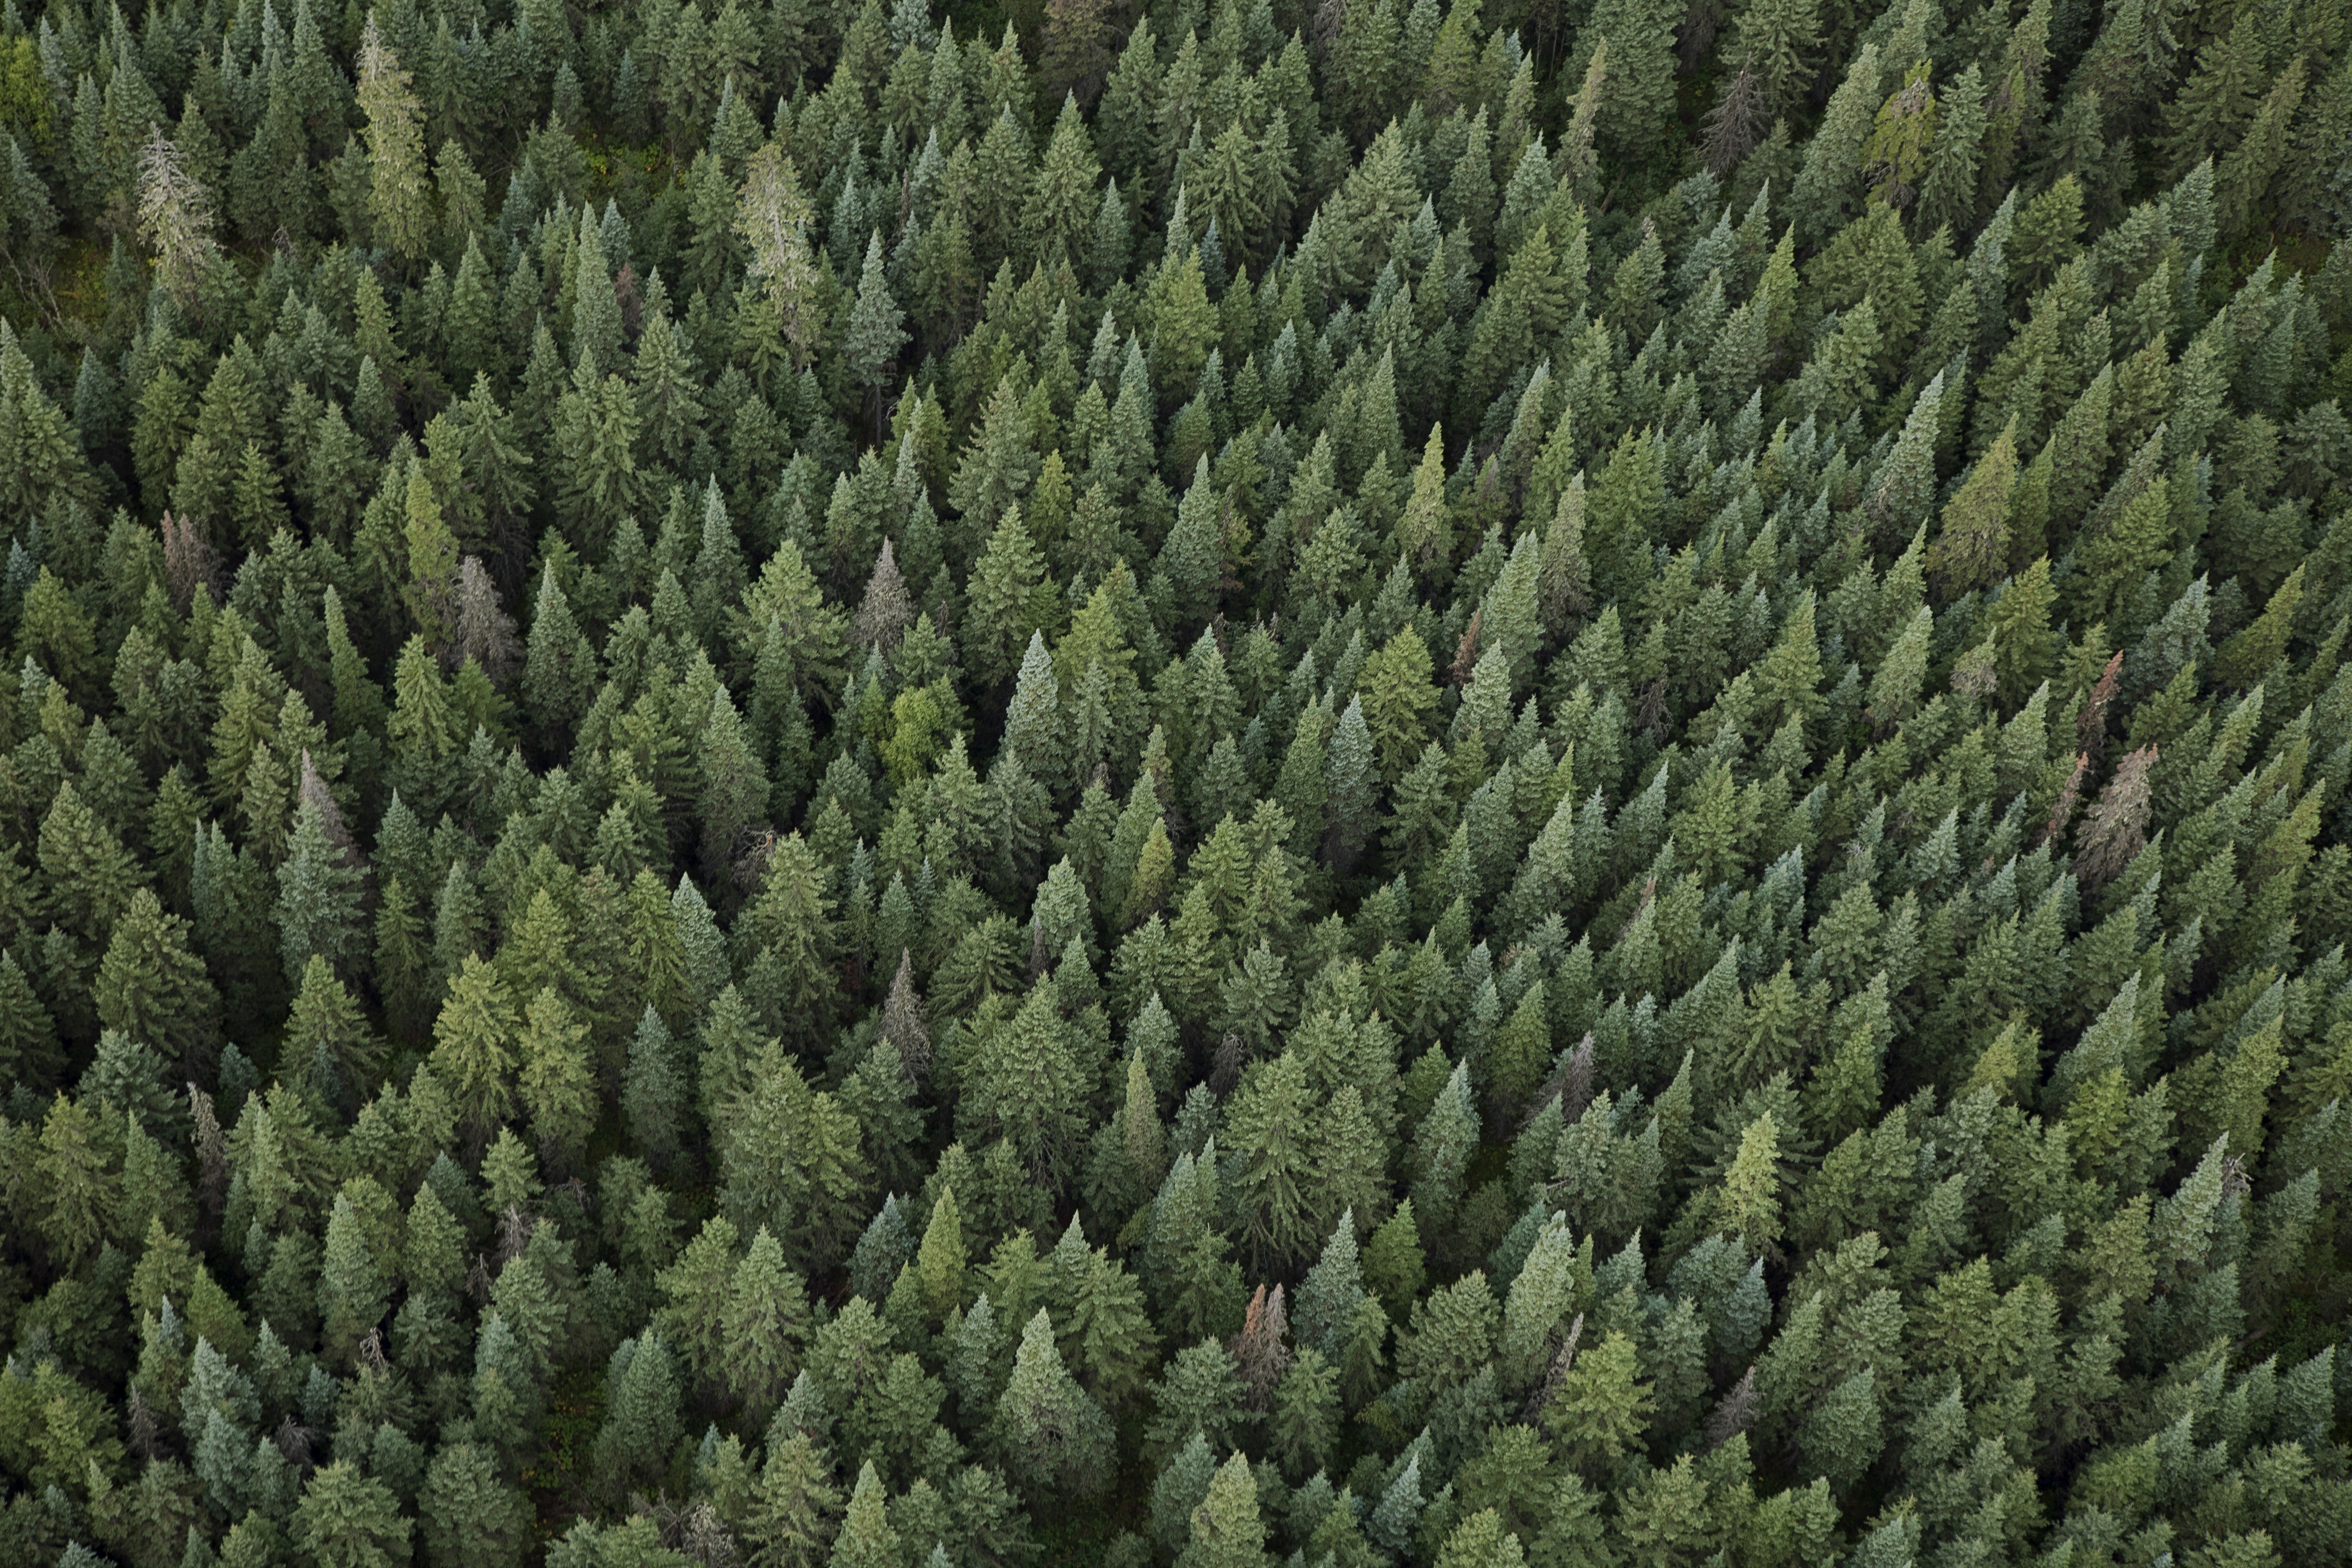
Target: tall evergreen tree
(1054, 1439)
(1226, 1530)
(348, 1520)
(149, 987)
(320, 888)
(328, 1040)
(398, 201)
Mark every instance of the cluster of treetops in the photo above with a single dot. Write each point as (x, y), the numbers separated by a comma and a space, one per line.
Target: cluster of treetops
(1549, 786)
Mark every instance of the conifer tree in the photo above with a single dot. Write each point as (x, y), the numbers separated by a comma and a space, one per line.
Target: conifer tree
(328, 1040)
(1393, 1262)
(1442, 1149)
(397, 199)
(469, 1513)
(30, 1049)
(653, 1090)
(1182, 1484)
(766, 1325)
(642, 1419)
(789, 1158)
(1351, 772)
(1004, 581)
(1397, 694)
(1601, 1406)
(148, 986)
(1267, 1124)
(1054, 1439)
(91, 878)
(873, 335)
(1948, 193)
(557, 1083)
(476, 1044)
(175, 213)
(1032, 726)
(1972, 543)
(867, 1539)
(1778, 38)
(1831, 176)
(321, 887)
(772, 217)
(1025, 1086)
(1226, 1530)
(347, 1520)
(353, 1287)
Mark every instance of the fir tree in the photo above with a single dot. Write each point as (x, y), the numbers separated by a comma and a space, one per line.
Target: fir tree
(766, 1325)
(1830, 177)
(476, 1047)
(1226, 1531)
(641, 1421)
(469, 1513)
(352, 1287)
(1054, 1437)
(91, 878)
(557, 1084)
(348, 1520)
(1442, 1149)
(175, 215)
(1602, 1404)
(867, 1539)
(873, 335)
(320, 885)
(148, 986)
(1972, 542)
(789, 1158)
(1004, 581)
(397, 199)
(328, 1040)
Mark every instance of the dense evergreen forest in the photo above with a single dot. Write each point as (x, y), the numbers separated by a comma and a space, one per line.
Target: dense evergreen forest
(1559, 783)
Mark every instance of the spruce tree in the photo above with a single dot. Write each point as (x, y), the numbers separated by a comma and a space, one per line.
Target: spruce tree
(477, 1045)
(347, 1520)
(642, 1420)
(148, 986)
(874, 333)
(557, 1081)
(328, 1040)
(1226, 1530)
(1054, 1439)
(766, 1325)
(469, 1513)
(321, 887)
(397, 199)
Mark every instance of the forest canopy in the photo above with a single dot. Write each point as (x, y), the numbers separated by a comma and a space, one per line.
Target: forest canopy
(1546, 783)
